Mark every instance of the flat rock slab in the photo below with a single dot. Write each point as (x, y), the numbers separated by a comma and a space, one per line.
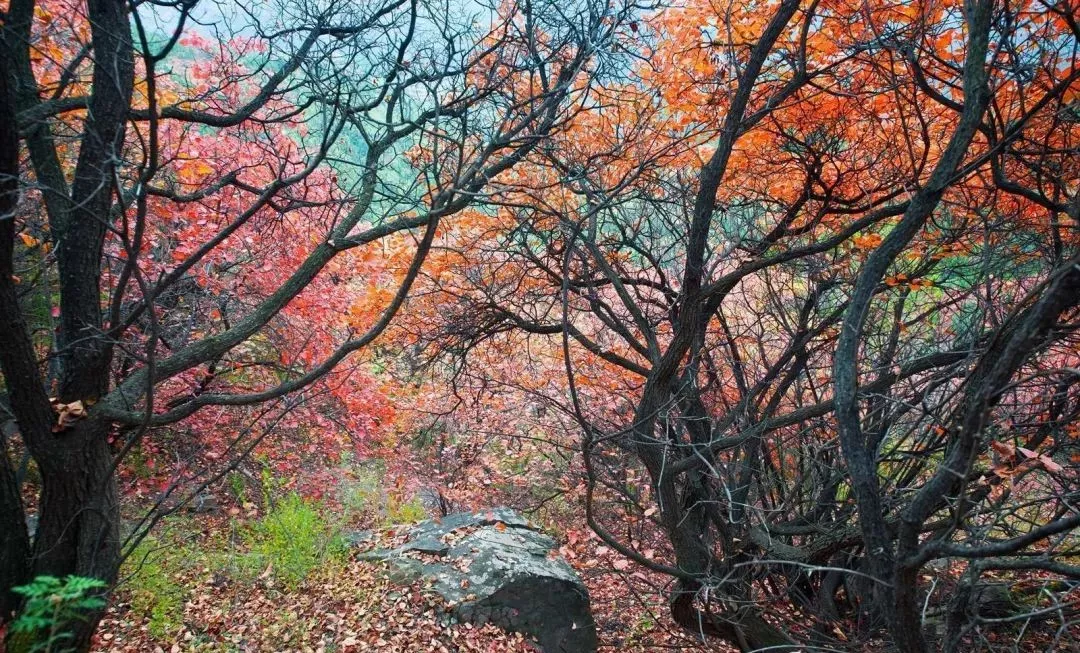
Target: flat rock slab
(494, 566)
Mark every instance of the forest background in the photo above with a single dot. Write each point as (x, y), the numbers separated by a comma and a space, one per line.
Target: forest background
(767, 310)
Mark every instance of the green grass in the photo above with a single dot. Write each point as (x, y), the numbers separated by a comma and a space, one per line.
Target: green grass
(286, 545)
(400, 511)
(366, 501)
(155, 585)
(238, 486)
(292, 540)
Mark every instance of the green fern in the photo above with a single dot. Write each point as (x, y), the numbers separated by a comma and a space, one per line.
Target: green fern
(50, 603)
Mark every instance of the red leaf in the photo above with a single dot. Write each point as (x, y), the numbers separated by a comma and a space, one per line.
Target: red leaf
(1049, 465)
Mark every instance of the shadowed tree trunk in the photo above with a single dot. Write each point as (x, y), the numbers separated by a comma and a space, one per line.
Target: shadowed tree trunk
(78, 528)
(16, 357)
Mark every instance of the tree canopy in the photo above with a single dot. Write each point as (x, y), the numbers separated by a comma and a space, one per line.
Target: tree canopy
(790, 287)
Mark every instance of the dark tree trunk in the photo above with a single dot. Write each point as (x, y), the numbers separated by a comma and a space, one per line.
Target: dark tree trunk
(895, 594)
(78, 531)
(744, 628)
(78, 512)
(14, 540)
(80, 232)
(16, 358)
(959, 612)
(688, 527)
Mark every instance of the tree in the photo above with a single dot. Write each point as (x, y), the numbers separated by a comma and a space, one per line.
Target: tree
(184, 185)
(812, 270)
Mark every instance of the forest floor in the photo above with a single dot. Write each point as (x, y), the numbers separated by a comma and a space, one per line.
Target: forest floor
(239, 579)
(263, 568)
(348, 606)
(279, 574)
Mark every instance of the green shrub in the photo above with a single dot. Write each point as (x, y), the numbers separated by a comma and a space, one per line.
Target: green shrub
(153, 589)
(365, 500)
(238, 486)
(361, 497)
(50, 604)
(399, 511)
(292, 540)
(138, 463)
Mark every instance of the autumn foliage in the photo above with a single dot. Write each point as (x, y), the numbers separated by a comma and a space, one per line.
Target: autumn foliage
(772, 304)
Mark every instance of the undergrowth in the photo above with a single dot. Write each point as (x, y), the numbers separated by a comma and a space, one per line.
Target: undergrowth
(154, 574)
(285, 546)
(294, 538)
(365, 500)
(50, 606)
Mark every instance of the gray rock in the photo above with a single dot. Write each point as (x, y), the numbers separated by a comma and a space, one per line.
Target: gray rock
(427, 544)
(202, 503)
(404, 570)
(175, 499)
(994, 601)
(494, 567)
(359, 538)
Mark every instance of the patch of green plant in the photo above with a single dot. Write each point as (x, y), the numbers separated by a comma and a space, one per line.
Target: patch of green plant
(268, 484)
(51, 606)
(29, 471)
(556, 512)
(237, 485)
(363, 494)
(515, 465)
(152, 585)
(292, 540)
(366, 502)
(400, 511)
(638, 631)
(138, 463)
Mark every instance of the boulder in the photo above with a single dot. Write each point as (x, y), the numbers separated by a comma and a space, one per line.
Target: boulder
(496, 567)
(995, 601)
(203, 502)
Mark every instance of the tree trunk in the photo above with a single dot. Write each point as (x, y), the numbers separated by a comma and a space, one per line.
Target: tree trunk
(744, 628)
(79, 528)
(17, 362)
(958, 616)
(14, 540)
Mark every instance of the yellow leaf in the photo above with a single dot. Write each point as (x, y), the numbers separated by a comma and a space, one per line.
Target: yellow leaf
(868, 241)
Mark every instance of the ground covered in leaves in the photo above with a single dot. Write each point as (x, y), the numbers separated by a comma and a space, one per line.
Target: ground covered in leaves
(282, 574)
(352, 608)
(216, 601)
(189, 589)
(287, 578)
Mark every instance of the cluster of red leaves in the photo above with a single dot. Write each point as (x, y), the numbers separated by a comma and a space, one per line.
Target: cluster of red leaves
(193, 206)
